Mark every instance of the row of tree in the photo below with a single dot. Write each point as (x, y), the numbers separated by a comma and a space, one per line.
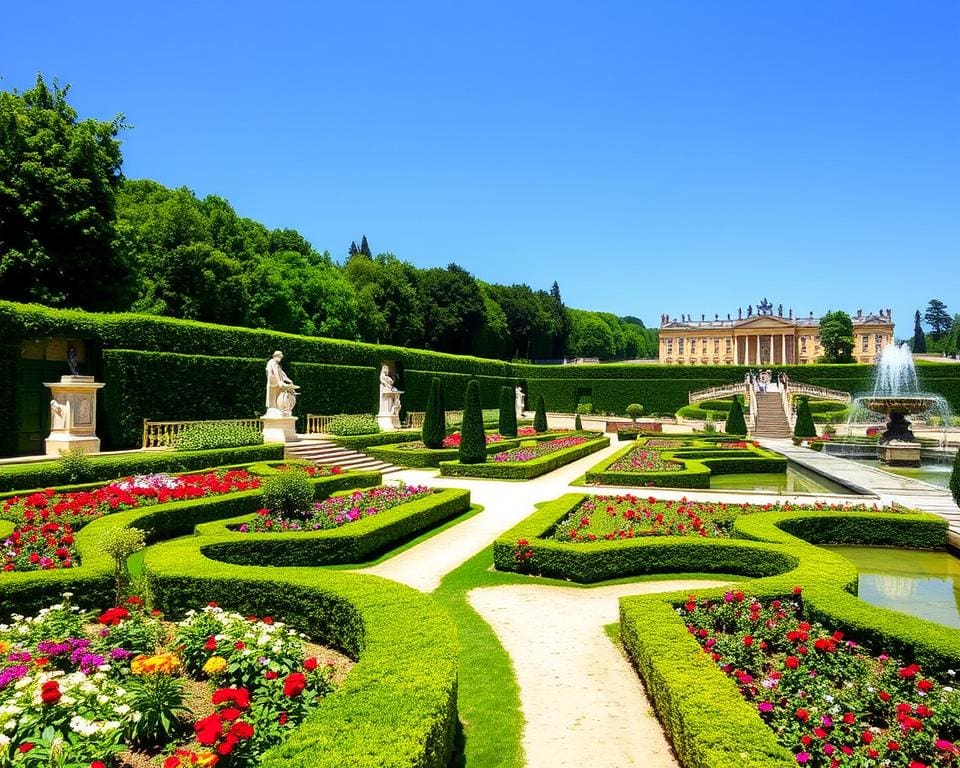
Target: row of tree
(75, 233)
(944, 335)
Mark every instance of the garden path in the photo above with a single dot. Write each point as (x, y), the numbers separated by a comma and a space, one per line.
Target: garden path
(583, 703)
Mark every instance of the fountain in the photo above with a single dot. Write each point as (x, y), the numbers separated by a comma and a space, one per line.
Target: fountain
(896, 395)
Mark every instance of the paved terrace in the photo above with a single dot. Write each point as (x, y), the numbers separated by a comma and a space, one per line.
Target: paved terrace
(888, 487)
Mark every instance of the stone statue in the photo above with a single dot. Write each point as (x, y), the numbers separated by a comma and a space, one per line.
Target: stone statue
(780, 310)
(59, 414)
(281, 391)
(520, 400)
(72, 361)
(389, 394)
(739, 313)
(749, 310)
(764, 307)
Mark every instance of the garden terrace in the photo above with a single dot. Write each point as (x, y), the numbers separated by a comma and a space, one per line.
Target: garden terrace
(683, 462)
(525, 463)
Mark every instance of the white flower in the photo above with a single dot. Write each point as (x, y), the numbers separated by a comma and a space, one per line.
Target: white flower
(82, 726)
(110, 725)
(122, 709)
(4, 740)
(10, 725)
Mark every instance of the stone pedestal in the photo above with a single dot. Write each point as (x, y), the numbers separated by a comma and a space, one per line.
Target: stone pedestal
(73, 415)
(898, 453)
(278, 428)
(388, 422)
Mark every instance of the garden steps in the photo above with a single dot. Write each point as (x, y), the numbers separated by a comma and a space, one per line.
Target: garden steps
(326, 453)
(771, 420)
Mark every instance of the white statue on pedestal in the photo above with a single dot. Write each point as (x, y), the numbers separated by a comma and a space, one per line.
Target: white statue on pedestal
(521, 401)
(281, 391)
(389, 394)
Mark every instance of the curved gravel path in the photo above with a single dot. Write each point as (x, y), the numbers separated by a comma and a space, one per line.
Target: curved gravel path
(583, 702)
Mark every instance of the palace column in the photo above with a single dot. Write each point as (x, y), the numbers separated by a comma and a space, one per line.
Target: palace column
(783, 339)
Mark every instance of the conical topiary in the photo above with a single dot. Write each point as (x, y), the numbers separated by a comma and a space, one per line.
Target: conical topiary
(577, 424)
(540, 417)
(434, 430)
(955, 479)
(805, 426)
(736, 424)
(508, 412)
(473, 441)
(442, 407)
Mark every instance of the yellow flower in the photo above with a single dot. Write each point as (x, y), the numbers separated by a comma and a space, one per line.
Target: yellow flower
(4, 646)
(215, 665)
(159, 664)
(206, 759)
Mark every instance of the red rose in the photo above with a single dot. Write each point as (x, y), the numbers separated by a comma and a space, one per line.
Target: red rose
(240, 697)
(925, 685)
(241, 729)
(98, 764)
(239, 645)
(226, 746)
(230, 713)
(294, 684)
(283, 718)
(310, 664)
(50, 692)
(208, 729)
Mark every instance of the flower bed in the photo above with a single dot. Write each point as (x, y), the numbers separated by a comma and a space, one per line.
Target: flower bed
(532, 461)
(43, 537)
(79, 690)
(641, 460)
(829, 700)
(337, 511)
(453, 440)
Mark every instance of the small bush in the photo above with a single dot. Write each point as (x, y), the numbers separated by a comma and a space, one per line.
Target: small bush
(353, 424)
(288, 494)
(577, 424)
(120, 544)
(585, 408)
(208, 435)
(540, 418)
(76, 466)
(634, 411)
(709, 427)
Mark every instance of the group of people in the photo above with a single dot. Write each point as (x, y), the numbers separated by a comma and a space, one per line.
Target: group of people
(760, 381)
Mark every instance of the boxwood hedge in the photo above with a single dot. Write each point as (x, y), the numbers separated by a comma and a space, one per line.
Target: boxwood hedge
(524, 470)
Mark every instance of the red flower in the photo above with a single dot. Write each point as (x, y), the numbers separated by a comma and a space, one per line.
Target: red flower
(239, 697)
(208, 729)
(50, 692)
(98, 764)
(239, 645)
(230, 713)
(241, 729)
(294, 684)
(211, 644)
(310, 664)
(924, 685)
(792, 662)
(270, 675)
(25, 747)
(283, 718)
(114, 616)
(226, 746)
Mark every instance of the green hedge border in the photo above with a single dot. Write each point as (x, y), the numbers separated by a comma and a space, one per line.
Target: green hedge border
(353, 543)
(524, 470)
(708, 722)
(426, 458)
(46, 474)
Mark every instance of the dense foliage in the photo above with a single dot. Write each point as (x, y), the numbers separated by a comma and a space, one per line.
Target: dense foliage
(836, 337)
(208, 435)
(68, 220)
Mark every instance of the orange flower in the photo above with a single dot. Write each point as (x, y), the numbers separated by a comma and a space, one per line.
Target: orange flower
(159, 664)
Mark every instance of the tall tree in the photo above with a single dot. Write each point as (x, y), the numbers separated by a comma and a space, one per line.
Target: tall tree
(473, 440)
(736, 424)
(919, 338)
(452, 307)
(937, 318)
(58, 182)
(353, 250)
(365, 248)
(836, 337)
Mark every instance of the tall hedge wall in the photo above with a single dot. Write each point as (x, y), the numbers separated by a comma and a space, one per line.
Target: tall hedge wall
(163, 368)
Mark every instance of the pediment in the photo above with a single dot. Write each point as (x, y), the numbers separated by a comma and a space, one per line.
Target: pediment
(774, 322)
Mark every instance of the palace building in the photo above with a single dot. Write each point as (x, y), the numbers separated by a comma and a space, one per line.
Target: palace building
(764, 338)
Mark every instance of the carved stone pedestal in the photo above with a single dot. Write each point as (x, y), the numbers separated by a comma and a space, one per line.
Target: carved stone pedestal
(73, 415)
(897, 453)
(279, 428)
(388, 422)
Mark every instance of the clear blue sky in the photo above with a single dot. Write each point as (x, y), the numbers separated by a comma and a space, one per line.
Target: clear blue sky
(652, 157)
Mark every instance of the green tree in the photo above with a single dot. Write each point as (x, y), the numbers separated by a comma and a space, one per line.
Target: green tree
(58, 183)
(508, 412)
(735, 424)
(433, 430)
(937, 317)
(389, 306)
(452, 308)
(540, 417)
(365, 248)
(590, 336)
(473, 440)
(804, 427)
(919, 343)
(578, 424)
(836, 337)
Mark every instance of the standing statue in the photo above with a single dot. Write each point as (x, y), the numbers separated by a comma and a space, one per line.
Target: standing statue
(780, 310)
(749, 310)
(520, 401)
(73, 362)
(281, 391)
(389, 394)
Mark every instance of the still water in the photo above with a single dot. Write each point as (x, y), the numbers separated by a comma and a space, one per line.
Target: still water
(796, 479)
(924, 584)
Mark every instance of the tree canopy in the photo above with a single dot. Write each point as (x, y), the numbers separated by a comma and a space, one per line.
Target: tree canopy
(937, 317)
(836, 337)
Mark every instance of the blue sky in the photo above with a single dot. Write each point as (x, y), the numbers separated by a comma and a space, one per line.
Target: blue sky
(651, 157)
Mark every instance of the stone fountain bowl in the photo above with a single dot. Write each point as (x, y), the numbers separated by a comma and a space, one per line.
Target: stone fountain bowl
(899, 404)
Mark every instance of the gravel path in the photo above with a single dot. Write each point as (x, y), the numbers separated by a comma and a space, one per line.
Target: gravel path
(583, 702)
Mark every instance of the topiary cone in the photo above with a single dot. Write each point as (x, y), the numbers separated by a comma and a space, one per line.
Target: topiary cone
(434, 430)
(805, 426)
(955, 479)
(473, 441)
(508, 412)
(540, 418)
(735, 424)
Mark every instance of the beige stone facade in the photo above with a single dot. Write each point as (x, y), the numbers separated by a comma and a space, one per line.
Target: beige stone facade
(765, 339)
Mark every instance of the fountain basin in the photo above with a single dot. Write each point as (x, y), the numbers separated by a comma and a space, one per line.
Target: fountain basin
(900, 453)
(905, 404)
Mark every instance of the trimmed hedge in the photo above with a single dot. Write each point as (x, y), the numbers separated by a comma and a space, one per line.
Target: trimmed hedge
(362, 442)
(709, 723)
(700, 460)
(422, 458)
(524, 470)
(46, 474)
(353, 543)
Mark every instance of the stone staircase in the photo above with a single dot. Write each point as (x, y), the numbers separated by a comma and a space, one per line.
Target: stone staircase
(771, 420)
(327, 453)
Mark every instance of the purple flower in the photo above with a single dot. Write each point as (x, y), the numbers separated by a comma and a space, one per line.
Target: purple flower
(9, 674)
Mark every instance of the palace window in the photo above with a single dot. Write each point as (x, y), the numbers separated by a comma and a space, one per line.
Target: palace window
(716, 346)
(729, 346)
(693, 346)
(679, 346)
(878, 341)
(803, 345)
(864, 342)
(669, 346)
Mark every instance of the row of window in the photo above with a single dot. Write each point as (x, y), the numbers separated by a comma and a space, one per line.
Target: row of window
(703, 346)
(878, 342)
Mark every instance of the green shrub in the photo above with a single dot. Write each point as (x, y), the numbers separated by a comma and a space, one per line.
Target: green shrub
(120, 544)
(584, 408)
(577, 424)
(208, 435)
(735, 424)
(353, 424)
(804, 426)
(508, 412)
(473, 440)
(540, 417)
(75, 466)
(634, 411)
(434, 426)
(289, 493)
(955, 478)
